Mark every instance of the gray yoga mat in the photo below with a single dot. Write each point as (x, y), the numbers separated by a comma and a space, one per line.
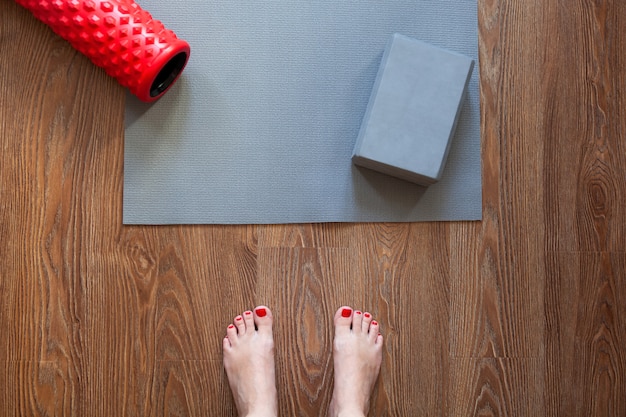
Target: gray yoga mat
(261, 126)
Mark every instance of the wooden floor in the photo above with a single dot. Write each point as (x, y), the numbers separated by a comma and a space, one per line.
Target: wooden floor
(522, 314)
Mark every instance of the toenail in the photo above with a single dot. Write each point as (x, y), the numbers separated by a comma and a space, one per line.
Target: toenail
(248, 313)
(231, 326)
(261, 312)
(374, 323)
(346, 312)
(367, 315)
(239, 318)
(357, 312)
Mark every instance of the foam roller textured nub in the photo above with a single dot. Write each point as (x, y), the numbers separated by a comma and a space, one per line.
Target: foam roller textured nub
(121, 37)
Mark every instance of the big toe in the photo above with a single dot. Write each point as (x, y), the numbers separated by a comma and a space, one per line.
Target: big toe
(343, 319)
(263, 319)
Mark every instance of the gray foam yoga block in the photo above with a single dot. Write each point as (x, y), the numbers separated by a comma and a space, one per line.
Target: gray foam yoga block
(413, 109)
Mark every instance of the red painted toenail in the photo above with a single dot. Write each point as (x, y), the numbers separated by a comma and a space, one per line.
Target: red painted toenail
(346, 312)
(357, 312)
(230, 326)
(374, 323)
(367, 315)
(261, 312)
(248, 313)
(239, 318)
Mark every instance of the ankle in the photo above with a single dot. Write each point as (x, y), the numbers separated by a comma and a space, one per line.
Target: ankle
(353, 412)
(262, 411)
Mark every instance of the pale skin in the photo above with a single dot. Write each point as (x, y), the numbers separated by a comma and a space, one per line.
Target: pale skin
(250, 365)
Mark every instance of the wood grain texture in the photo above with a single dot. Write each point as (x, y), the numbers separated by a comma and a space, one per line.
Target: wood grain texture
(585, 345)
(584, 163)
(521, 314)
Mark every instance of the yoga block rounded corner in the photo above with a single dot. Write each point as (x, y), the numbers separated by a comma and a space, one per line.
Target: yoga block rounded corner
(122, 38)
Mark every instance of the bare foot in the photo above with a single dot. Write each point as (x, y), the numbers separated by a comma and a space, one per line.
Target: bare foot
(249, 363)
(357, 355)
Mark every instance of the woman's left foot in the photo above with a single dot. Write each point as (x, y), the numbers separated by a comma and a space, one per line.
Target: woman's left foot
(249, 363)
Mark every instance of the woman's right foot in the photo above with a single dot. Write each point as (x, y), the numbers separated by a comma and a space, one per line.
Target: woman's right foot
(357, 355)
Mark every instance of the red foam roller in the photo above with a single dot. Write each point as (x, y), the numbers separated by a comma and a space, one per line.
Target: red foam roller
(121, 37)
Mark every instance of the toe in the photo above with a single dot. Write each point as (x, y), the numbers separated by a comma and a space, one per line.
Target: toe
(263, 319)
(241, 326)
(367, 319)
(357, 321)
(343, 320)
(226, 343)
(248, 319)
(374, 331)
(231, 334)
